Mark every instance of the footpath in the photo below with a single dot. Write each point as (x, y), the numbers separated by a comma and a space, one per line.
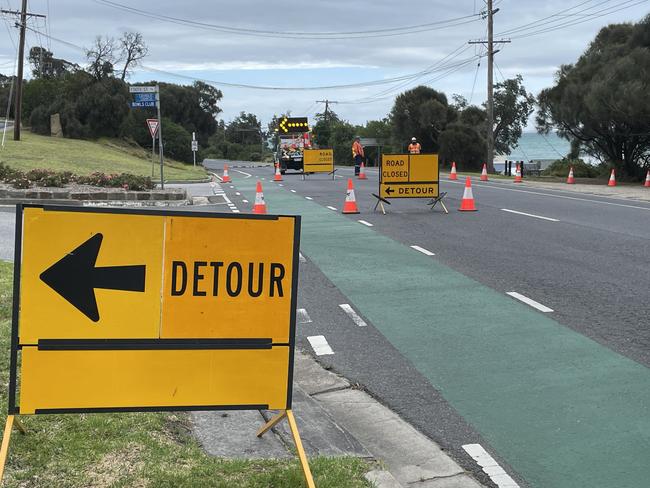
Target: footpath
(335, 419)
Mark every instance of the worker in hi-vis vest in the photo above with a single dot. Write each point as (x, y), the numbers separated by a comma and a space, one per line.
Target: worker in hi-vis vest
(414, 147)
(358, 155)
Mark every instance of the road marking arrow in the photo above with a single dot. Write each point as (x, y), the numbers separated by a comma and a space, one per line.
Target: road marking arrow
(75, 277)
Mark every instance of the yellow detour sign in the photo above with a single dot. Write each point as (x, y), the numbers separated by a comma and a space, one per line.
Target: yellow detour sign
(127, 310)
(318, 160)
(409, 176)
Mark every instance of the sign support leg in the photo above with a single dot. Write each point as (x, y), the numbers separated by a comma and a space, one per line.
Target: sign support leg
(304, 463)
(6, 437)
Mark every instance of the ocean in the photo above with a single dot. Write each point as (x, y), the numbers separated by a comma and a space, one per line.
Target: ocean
(534, 147)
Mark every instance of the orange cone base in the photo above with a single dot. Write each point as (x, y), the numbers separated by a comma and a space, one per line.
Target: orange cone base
(467, 206)
(362, 176)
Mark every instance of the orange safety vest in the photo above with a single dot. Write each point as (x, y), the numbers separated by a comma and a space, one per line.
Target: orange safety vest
(415, 148)
(357, 149)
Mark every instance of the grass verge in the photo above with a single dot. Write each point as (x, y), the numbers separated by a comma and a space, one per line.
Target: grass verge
(138, 450)
(85, 157)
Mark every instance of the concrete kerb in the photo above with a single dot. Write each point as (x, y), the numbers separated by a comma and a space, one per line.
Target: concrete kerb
(335, 419)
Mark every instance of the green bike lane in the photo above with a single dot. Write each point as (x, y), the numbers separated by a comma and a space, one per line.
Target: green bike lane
(562, 410)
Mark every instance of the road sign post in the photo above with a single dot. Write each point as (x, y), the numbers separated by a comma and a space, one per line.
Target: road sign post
(195, 146)
(152, 124)
(408, 176)
(149, 97)
(120, 310)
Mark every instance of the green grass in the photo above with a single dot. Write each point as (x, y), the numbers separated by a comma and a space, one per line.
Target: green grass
(85, 157)
(154, 450)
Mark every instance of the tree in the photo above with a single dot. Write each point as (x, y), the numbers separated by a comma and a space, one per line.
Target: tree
(45, 65)
(512, 107)
(463, 144)
(245, 129)
(423, 113)
(322, 129)
(101, 57)
(133, 49)
(601, 102)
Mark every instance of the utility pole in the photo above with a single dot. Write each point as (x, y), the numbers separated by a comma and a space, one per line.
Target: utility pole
(490, 81)
(23, 14)
(327, 106)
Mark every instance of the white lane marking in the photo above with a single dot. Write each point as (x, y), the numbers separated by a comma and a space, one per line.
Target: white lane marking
(302, 258)
(245, 201)
(551, 195)
(217, 176)
(309, 198)
(234, 210)
(237, 193)
(247, 175)
(280, 184)
(423, 250)
(529, 215)
(353, 315)
(320, 345)
(529, 301)
(332, 208)
(490, 466)
(302, 317)
(368, 224)
(292, 191)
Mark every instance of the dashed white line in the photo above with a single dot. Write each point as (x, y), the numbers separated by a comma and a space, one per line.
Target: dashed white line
(353, 315)
(490, 466)
(320, 345)
(332, 208)
(301, 258)
(245, 201)
(308, 198)
(280, 184)
(237, 193)
(423, 250)
(234, 210)
(368, 224)
(292, 191)
(529, 301)
(247, 175)
(529, 215)
(302, 317)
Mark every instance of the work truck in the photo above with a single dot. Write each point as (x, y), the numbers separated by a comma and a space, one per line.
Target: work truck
(293, 139)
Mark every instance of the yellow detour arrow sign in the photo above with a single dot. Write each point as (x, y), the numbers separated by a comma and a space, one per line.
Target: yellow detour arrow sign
(290, 125)
(318, 160)
(409, 176)
(128, 310)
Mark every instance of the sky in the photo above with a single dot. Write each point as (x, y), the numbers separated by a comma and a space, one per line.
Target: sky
(219, 41)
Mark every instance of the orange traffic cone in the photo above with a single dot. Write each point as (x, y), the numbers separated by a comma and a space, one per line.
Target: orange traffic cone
(647, 180)
(570, 180)
(350, 205)
(484, 175)
(467, 203)
(612, 178)
(518, 178)
(226, 178)
(453, 175)
(362, 172)
(278, 175)
(260, 204)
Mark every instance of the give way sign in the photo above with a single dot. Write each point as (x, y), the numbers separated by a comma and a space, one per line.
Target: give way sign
(153, 127)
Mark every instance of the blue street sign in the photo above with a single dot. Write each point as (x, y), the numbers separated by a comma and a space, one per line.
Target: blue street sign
(145, 97)
(143, 104)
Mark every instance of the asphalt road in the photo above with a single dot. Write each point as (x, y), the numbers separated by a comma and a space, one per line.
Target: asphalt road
(587, 263)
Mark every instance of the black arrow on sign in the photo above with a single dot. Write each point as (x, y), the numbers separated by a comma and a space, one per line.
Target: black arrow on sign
(75, 277)
(389, 190)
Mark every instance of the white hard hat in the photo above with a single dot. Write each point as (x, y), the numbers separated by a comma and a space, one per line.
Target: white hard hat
(413, 139)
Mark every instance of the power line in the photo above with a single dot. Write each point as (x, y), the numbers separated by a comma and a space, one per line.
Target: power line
(385, 32)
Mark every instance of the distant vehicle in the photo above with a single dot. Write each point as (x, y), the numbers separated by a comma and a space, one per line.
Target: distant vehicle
(293, 140)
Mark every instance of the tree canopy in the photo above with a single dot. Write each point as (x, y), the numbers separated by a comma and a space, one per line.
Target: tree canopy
(601, 102)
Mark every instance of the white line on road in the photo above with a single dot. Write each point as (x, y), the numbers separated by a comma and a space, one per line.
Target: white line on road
(292, 191)
(320, 345)
(529, 215)
(302, 258)
(309, 198)
(353, 315)
(234, 210)
(237, 193)
(368, 224)
(280, 184)
(245, 201)
(247, 175)
(332, 208)
(423, 250)
(490, 466)
(302, 317)
(529, 301)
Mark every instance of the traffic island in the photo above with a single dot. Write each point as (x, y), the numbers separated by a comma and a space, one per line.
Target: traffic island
(75, 195)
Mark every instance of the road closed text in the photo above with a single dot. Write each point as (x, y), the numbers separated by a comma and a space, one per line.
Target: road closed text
(233, 279)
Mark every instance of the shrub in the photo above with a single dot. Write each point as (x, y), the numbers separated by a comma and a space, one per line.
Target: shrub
(47, 178)
(580, 169)
(6, 172)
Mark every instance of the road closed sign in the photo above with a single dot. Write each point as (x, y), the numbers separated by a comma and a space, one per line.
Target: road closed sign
(123, 310)
(318, 160)
(409, 176)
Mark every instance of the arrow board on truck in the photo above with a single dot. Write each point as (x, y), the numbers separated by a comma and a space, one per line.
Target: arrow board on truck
(127, 310)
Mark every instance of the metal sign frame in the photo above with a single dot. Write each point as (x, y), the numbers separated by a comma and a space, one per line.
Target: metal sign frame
(163, 344)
